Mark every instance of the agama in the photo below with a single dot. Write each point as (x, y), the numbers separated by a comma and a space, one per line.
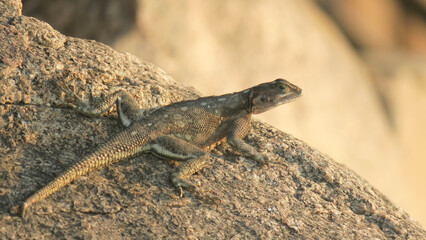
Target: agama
(182, 131)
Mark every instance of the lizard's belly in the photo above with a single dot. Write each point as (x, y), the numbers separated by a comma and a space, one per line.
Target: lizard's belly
(201, 137)
(203, 133)
(197, 126)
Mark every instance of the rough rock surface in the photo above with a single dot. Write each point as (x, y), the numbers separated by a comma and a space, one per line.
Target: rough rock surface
(222, 46)
(303, 195)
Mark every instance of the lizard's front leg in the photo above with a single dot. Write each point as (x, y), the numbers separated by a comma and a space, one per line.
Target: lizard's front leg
(173, 148)
(238, 131)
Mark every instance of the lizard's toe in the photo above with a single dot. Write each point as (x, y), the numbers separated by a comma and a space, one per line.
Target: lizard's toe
(20, 210)
(16, 210)
(261, 158)
(179, 183)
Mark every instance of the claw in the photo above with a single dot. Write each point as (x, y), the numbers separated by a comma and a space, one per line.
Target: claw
(78, 104)
(62, 85)
(16, 210)
(267, 165)
(180, 184)
(180, 192)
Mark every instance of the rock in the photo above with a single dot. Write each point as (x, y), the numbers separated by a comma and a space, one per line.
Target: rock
(303, 195)
(219, 47)
(10, 8)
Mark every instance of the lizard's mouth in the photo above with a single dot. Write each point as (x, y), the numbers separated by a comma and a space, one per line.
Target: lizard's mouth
(261, 107)
(289, 97)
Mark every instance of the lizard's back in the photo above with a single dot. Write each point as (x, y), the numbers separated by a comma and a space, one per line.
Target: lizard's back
(202, 122)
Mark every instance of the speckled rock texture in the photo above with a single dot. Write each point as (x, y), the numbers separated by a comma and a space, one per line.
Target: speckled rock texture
(302, 195)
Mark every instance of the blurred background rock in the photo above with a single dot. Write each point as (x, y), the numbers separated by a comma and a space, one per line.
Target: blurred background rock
(361, 64)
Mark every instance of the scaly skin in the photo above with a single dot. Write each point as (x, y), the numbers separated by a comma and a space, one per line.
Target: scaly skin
(181, 131)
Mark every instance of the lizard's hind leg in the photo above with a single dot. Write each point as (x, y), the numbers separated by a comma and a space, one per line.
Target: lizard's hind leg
(173, 148)
(127, 107)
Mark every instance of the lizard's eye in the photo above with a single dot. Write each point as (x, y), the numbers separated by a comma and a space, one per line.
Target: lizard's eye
(281, 87)
(263, 98)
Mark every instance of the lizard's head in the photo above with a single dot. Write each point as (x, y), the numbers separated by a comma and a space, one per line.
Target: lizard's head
(271, 94)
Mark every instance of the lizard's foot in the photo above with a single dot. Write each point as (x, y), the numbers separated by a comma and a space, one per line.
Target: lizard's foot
(80, 103)
(64, 87)
(16, 210)
(261, 158)
(179, 183)
(20, 209)
(207, 198)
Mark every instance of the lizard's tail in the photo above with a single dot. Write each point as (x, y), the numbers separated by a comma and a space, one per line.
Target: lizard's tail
(73, 173)
(120, 147)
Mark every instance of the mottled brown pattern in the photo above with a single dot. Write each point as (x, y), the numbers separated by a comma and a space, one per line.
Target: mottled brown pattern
(179, 131)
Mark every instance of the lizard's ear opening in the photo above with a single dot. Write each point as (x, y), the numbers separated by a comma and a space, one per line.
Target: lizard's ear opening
(260, 99)
(258, 102)
(261, 103)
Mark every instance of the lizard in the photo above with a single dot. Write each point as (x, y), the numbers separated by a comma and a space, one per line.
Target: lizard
(183, 131)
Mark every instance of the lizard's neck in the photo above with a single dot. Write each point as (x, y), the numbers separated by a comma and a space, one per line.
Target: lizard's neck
(238, 102)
